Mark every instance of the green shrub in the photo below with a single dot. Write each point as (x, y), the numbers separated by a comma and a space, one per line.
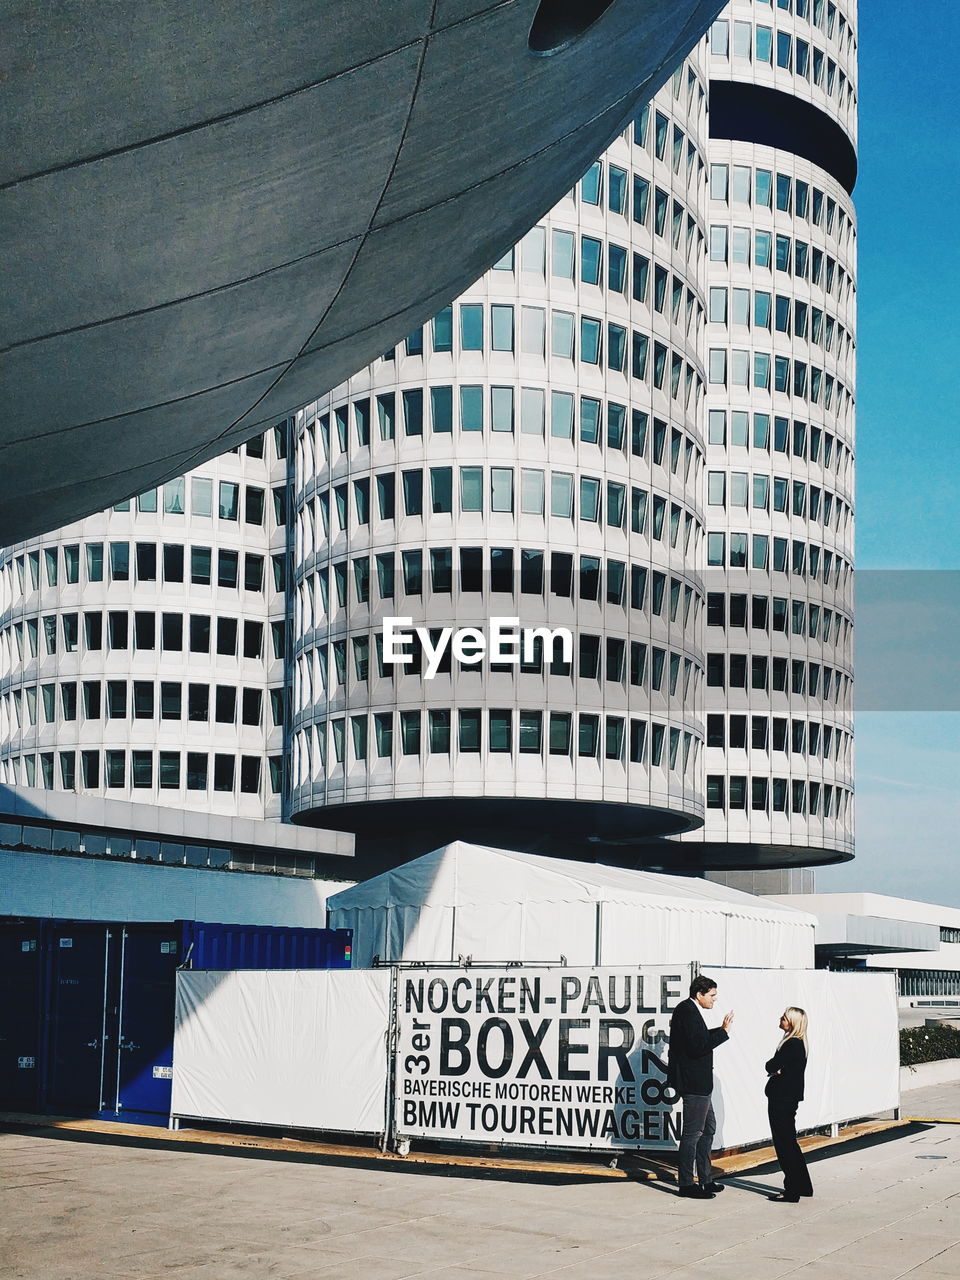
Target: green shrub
(928, 1044)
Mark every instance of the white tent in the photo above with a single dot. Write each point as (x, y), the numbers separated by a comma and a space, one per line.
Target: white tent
(495, 905)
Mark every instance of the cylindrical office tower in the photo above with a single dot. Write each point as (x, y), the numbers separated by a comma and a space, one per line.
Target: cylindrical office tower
(534, 453)
(143, 649)
(781, 343)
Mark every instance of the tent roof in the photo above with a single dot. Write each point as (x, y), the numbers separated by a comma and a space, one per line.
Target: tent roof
(470, 874)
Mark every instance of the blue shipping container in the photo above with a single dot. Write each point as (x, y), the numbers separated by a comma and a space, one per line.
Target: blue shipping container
(87, 1023)
(246, 946)
(21, 984)
(80, 1043)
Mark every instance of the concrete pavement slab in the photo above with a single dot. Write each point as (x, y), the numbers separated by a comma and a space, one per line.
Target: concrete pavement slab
(890, 1253)
(940, 1221)
(941, 1100)
(832, 1269)
(945, 1263)
(882, 1211)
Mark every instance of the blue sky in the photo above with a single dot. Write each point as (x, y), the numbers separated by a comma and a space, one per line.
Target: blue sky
(908, 446)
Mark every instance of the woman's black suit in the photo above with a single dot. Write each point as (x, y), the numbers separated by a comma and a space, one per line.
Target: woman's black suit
(784, 1093)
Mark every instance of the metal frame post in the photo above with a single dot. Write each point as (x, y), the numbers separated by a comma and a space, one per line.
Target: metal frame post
(390, 1140)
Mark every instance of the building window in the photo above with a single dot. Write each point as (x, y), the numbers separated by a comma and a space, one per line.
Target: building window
(561, 495)
(501, 732)
(200, 564)
(441, 490)
(471, 327)
(441, 409)
(201, 496)
(443, 330)
(591, 184)
(146, 562)
(588, 735)
(142, 700)
(413, 412)
(533, 330)
(561, 342)
(532, 411)
(501, 489)
(715, 792)
(142, 768)
(115, 762)
(471, 488)
(441, 570)
(120, 561)
(223, 770)
(562, 245)
(383, 733)
(531, 732)
(560, 731)
(561, 415)
(589, 499)
(501, 328)
(412, 494)
(439, 722)
(501, 408)
(276, 774)
(196, 771)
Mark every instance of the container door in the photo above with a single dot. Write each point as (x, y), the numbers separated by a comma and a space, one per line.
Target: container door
(80, 1047)
(21, 958)
(147, 999)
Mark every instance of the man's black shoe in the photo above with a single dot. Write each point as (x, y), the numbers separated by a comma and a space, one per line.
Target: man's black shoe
(715, 1187)
(693, 1192)
(783, 1198)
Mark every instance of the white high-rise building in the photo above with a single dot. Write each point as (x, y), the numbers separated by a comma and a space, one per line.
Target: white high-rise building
(637, 426)
(781, 348)
(144, 650)
(535, 452)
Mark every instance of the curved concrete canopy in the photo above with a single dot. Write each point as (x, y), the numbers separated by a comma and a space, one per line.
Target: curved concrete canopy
(213, 213)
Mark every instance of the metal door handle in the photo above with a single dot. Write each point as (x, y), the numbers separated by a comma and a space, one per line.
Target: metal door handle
(128, 1044)
(93, 1044)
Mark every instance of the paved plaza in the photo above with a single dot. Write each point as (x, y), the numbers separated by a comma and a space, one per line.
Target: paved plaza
(78, 1205)
(932, 1102)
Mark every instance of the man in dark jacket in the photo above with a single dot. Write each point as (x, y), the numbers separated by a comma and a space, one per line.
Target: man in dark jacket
(690, 1072)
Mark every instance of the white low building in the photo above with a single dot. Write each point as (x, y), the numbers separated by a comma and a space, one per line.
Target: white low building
(80, 857)
(920, 940)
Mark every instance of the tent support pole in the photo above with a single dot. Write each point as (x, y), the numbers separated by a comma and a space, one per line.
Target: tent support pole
(389, 1141)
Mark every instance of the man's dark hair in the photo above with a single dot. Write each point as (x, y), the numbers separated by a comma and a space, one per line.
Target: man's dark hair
(701, 985)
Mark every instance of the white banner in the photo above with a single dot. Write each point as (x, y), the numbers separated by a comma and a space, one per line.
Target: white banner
(577, 1057)
(543, 1057)
(853, 1047)
(302, 1049)
(571, 1057)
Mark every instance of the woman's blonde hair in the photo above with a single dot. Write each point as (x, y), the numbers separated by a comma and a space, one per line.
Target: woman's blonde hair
(798, 1025)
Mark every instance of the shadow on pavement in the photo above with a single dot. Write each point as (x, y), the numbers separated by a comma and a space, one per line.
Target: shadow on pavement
(373, 1162)
(634, 1172)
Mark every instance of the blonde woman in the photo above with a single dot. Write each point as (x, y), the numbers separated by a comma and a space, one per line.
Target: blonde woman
(784, 1093)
